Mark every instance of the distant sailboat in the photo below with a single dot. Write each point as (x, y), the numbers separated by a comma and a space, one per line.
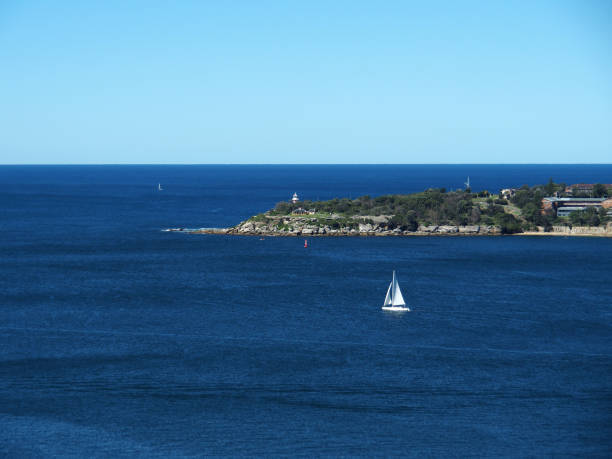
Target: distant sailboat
(159, 187)
(394, 301)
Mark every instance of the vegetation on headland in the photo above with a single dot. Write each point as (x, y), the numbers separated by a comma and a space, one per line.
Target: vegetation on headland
(435, 207)
(529, 201)
(407, 212)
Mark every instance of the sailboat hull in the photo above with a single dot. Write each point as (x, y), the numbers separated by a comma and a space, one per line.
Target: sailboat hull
(395, 308)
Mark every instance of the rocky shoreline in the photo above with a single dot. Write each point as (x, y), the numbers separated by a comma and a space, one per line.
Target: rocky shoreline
(292, 226)
(304, 227)
(430, 231)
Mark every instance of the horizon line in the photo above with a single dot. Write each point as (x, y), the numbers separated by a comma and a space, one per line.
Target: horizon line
(305, 164)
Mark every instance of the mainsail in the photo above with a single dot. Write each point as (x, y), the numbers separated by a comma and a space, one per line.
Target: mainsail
(398, 299)
(394, 298)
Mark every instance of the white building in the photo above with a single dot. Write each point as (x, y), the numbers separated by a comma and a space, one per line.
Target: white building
(295, 198)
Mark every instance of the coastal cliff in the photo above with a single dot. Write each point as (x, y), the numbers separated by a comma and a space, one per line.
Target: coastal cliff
(306, 229)
(375, 226)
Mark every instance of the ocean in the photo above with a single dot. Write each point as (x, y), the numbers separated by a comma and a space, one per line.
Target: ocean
(120, 340)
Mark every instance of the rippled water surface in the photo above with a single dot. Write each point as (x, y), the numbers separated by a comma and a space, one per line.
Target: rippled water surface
(117, 339)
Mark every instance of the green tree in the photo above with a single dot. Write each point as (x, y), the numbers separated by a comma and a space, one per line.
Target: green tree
(579, 194)
(577, 218)
(599, 190)
(603, 215)
(282, 208)
(587, 217)
(411, 221)
(509, 224)
(475, 215)
(550, 187)
(546, 223)
(531, 212)
(405, 222)
(397, 221)
(522, 197)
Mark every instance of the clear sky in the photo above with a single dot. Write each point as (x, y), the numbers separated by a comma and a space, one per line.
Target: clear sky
(305, 81)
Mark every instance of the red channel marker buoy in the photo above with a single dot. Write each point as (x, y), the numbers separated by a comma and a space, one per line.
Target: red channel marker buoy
(305, 243)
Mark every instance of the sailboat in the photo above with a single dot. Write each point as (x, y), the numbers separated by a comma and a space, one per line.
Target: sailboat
(394, 301)
(159, 187)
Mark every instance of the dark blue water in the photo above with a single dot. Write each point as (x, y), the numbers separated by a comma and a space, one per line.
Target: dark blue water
(117, 339)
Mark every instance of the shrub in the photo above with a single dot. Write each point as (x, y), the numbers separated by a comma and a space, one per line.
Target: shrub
(509, 224)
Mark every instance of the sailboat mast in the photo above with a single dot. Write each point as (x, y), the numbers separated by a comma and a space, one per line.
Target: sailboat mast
(393, 287)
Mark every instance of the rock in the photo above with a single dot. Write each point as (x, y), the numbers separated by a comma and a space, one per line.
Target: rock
(245, 227)
(447, 229)
(469, 229)
(296, 226)
(490, 230)
(379, 218)
(428, 229)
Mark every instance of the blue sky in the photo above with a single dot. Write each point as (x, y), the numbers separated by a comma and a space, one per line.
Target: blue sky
(305, 82)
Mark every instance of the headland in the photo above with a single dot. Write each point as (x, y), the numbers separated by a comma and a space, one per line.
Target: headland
(551, 209)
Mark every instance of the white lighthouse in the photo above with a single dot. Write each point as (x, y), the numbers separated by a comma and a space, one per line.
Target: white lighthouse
(295, 198)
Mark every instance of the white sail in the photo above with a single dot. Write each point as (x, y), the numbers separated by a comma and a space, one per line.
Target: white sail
(398, 299)
(388, 300)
